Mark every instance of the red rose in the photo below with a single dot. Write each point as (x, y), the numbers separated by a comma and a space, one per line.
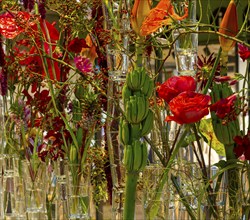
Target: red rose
(176, 85)
(188, 107)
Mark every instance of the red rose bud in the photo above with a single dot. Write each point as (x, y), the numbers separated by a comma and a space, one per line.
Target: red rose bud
(229, 27)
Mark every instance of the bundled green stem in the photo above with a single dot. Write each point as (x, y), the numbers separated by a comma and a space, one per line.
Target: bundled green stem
(233, 183)
(136, 122)
(130, 199)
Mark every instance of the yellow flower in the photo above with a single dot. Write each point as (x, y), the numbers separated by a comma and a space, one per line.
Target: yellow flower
(139, 11)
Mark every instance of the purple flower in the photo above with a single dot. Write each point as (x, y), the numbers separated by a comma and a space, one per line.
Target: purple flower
(83, 64)
(25, 4)
(31, 4)
(3, 82)
(41, 9)
(28, 4)
(2, 55)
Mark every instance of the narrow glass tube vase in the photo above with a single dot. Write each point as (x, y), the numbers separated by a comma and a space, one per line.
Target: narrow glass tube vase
(9, 186)
(61, 172)
(115, 149)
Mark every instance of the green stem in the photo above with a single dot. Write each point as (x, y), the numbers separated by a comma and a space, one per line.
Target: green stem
(139, 51)
(185, 202)
(130, 192)
(233, 183)
(210, 79)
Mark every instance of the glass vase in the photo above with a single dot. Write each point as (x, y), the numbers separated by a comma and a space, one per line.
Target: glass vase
(117, 25)
(186, 49)
(150, 177)
(185, 37)
(61, 172)
(115, 149)
(9, 186)
(78, 192)
(34, 176)
(117, 61)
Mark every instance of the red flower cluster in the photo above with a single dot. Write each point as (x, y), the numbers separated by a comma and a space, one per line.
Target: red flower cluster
(186, 105)
(242, 146)
(225, 107)
(244, 52)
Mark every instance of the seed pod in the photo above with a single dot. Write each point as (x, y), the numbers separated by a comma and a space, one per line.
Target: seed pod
(229, 27)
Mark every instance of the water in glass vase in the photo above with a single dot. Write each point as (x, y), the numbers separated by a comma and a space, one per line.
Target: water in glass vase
(186, 60)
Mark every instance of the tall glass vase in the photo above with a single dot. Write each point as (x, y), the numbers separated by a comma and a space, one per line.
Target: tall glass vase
(185, 37)
(78, 191)
(150, 177)
(35, 179)
(9, 186)
(117, 24)
(61, 172)
(115, 149)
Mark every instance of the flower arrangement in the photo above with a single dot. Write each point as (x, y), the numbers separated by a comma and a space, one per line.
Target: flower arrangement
(56, 82)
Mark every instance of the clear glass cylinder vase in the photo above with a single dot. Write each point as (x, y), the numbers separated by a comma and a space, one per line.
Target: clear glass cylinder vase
(78, 197)
(151, 177)
(12, 189)
(34, 176)
(117, 25)
(185, 37)
(61, 172)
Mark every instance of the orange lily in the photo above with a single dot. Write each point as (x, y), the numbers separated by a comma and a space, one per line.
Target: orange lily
(162, 14)
(90, 51)
(139, 11)
(229, 27)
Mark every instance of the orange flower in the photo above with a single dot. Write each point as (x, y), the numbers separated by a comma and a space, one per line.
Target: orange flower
(229, 27)
(162, 14)
(90, 51)
(139, 11)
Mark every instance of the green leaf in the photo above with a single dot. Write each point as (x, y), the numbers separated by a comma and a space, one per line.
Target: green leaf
(206, 129)
(188, 140)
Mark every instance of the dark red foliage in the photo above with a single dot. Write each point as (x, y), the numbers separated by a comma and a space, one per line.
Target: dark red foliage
(242, 146)
(76, 45)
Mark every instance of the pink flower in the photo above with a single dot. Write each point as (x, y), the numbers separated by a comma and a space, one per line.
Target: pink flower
(244, 52)
(83, 64)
